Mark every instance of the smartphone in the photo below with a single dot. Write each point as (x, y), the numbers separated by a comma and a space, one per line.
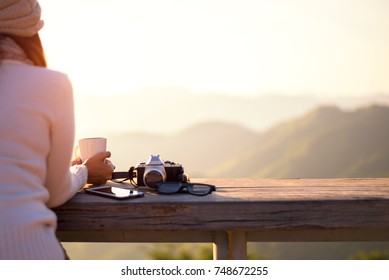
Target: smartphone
(114, 192)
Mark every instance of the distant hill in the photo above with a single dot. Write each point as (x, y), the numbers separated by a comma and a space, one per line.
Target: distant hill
(199, 148)
(326, 142)
(166, 111)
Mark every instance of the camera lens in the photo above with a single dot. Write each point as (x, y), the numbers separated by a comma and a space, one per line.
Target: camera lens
(152, 178)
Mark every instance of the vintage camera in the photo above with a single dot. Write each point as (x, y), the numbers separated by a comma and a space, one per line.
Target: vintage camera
(155, 170)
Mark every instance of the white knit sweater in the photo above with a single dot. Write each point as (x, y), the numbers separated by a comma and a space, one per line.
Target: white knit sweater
(36, 140)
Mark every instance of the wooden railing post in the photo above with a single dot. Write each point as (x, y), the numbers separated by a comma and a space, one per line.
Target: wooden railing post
(220, 245)
(237, 245)
(231, 245)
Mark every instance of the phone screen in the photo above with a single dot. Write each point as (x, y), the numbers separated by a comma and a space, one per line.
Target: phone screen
(114, 192)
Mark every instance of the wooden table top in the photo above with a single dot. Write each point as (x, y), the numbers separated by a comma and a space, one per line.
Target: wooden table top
(239, 204)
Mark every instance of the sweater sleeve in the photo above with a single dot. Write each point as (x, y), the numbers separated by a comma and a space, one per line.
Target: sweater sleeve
(79, 174)
(58, 178)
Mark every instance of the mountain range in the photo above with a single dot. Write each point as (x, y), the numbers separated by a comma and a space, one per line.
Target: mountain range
(170, 110)
(325, 142)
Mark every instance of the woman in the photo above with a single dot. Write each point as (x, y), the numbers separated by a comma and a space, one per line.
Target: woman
(36, 139)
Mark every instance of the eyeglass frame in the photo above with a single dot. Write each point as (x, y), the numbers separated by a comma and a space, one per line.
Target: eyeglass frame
(188, 186)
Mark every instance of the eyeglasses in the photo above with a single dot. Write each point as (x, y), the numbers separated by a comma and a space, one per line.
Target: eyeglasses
(192, 188)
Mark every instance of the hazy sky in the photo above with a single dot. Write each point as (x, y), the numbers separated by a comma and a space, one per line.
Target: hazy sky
(337, 47)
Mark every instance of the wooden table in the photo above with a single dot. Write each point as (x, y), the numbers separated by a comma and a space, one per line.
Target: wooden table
(240, 211)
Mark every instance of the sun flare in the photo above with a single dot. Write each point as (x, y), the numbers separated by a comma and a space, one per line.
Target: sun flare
(244, 47)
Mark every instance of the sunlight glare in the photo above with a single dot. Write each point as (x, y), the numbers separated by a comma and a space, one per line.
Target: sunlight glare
(243, 47)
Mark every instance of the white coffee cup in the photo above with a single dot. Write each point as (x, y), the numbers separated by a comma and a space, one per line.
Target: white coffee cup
(88, 147)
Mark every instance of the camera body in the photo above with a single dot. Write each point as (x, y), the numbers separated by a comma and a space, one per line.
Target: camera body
(155, 170)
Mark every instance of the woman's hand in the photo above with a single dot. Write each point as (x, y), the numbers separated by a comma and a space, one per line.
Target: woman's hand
(99, 168)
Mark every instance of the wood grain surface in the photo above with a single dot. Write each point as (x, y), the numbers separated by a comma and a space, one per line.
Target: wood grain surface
(286, 209)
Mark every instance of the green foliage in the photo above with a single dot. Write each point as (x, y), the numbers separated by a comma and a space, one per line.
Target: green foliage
(172, 251)
(168, 251)
(371, 255)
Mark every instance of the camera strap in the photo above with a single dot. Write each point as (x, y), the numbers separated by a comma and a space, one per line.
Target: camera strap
(122, 176)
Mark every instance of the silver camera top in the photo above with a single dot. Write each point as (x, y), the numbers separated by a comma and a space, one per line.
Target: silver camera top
(155, 160)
